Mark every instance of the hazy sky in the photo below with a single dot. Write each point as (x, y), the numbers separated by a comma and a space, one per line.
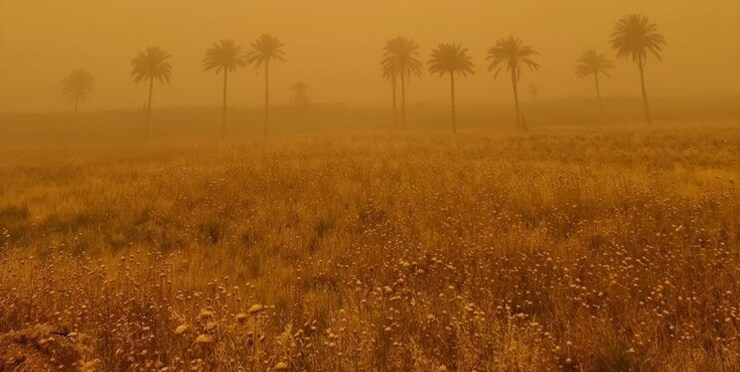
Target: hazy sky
(335, 46)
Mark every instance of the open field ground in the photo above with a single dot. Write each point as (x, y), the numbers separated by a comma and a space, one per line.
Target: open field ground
(611, 249)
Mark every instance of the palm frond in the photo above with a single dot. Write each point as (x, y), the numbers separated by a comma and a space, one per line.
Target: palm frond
(635, 38)
(511, 53)
(265, 49)
(451, 58)
(224, 55)
(591, 62)
(78, 85)
(401, 59)
(151, 64)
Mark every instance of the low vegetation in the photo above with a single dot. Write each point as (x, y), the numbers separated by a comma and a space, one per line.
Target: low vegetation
(611, 250)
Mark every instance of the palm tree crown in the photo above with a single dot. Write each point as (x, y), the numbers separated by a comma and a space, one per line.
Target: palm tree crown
(77, 86)
(451, 59)
(512, 54)
(152, 65)
(266, 49)
(225, 55)
(634, 37)
(401, 58)
(592, 62)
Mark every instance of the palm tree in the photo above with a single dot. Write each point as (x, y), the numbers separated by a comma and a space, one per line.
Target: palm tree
(151, 65)
(634, 37)
(451, 59)
(594, 63)
(512, 54)
(77, 86)
(300, 98)
(266, 48)
(401, 61)
(390, 74)
(226, 56)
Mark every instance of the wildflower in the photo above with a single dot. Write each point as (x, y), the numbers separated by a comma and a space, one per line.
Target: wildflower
(241, 318)
(256, 309)
(181, 329)
(206, 314)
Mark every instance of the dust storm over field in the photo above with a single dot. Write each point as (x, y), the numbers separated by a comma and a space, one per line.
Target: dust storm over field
(369, 185)
(333, 45)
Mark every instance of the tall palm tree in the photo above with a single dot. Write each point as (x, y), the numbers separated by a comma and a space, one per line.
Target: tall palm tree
(390, 74)
(77, 86)
(266, 48)
(634, 38)
(451, 59)
(300, 98)
(401, 59)
(594, 63)
(226, 56)
(512, 54)
(151, 65)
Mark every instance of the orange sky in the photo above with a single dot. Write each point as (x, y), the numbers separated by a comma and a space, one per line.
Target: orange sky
(335, 46)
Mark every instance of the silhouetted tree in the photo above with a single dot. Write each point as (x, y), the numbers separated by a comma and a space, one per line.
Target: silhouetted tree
(390, 74)
(77, 87)
(300, 98)
(593, 63)
(266, 48)
(634, 37)
(534, 90)
(512, 54)
(401, 62)
(226, 56)
(151, 65)
(451, 59)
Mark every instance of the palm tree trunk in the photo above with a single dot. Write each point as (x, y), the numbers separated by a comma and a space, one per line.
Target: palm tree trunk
(395, 104)
(403, 100)
(598, 95)
(223, 116)
(77, 104)
(149, 110)
(644, 93)
(516, 99)
(267, 95)
(454, 109)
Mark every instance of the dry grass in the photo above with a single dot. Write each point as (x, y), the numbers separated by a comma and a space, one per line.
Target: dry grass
(603, 251)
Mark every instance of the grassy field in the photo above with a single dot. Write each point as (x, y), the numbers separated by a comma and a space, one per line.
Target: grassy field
(611, 249)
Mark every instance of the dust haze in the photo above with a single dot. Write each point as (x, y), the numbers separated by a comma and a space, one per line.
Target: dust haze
(345, 185)
(334, 46)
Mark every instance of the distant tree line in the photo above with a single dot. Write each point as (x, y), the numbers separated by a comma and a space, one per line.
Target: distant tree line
(634, 38)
